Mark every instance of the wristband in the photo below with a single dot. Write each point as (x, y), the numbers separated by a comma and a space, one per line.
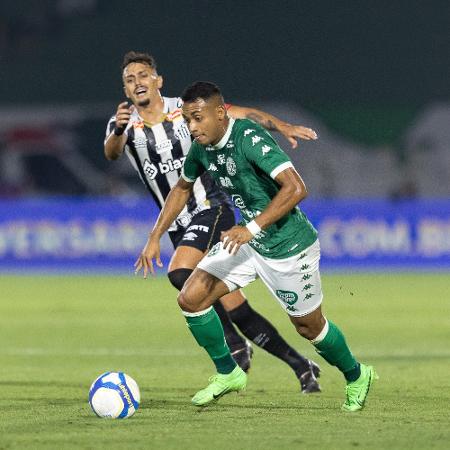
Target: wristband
(253, 227)
(118, 131)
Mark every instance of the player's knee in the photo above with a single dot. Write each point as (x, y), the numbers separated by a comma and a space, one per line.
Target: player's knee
(187, 302)
(305, 331)
(309, 329)
(178, 277)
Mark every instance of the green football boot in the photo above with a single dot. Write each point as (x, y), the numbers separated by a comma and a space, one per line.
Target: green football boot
(357, 391)
(221, 384)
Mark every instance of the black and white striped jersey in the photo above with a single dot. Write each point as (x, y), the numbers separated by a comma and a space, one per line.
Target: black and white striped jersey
(158, 153)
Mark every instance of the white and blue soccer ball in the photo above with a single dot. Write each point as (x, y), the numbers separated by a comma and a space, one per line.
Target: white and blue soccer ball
(114, 395)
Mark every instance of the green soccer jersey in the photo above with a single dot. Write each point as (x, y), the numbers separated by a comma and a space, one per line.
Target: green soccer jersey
(244, 163)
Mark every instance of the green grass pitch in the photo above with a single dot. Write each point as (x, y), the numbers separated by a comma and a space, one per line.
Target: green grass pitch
(57, 334)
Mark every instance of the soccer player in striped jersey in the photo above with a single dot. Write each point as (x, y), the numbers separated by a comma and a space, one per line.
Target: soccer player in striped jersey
(154, 136)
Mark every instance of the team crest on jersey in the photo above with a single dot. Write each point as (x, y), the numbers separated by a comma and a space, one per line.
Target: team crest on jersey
(231, 166)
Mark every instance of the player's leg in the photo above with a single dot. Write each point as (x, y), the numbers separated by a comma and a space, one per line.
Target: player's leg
(190, 246)
(302, 301)
(207, 282)
(259, 330)
(241, 349)
(330, 343)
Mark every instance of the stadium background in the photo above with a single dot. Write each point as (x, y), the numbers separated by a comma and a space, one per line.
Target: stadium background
(371, 77)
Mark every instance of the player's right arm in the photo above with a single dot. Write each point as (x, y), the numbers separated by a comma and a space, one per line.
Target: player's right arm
(175, 202)
(117, 138)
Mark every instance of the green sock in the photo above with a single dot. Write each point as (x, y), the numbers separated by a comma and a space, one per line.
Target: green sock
(208, 332)
(334, 349)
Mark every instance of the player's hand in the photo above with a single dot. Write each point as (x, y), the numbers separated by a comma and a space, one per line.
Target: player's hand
(151, 251)
(294, 132)
(123, 114)
(235, 237)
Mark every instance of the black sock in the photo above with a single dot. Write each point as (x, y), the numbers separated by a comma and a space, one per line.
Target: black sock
(233, 338)
(264, 335)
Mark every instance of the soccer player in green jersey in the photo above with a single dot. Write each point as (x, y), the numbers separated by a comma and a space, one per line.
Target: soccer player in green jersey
(275, 242)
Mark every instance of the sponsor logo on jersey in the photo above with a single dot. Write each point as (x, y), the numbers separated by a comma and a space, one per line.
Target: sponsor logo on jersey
(238, 201)
(231, 166)
(220, 159)
(226, 182)
(256, 139)
(287, 297)
(150, 169)
(248, 131)
(212, 167)
(170, 165)
(265, 149)
(163, 146)
(259, 245)
(251, 214)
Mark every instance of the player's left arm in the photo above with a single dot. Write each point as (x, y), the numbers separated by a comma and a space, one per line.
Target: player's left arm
(292, 191)
(272, 123)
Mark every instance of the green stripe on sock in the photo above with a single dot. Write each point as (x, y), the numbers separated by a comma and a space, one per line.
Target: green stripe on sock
(208, 332)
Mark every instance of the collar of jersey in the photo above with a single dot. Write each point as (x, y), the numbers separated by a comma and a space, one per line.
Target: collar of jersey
(226, 136)
(165, 111)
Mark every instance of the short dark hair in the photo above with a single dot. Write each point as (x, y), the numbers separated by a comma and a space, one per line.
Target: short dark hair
(200, 89)
(137, 57)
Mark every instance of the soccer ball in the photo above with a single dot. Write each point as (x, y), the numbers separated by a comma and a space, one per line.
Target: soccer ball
(114, 395)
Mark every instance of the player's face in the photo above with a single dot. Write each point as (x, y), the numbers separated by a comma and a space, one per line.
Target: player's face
(205, 120)
(141, 83)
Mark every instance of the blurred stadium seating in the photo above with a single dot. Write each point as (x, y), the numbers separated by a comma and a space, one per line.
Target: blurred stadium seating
(381, 117)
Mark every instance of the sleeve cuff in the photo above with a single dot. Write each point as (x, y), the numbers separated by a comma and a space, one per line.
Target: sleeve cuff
(280, 169)
(186, 178)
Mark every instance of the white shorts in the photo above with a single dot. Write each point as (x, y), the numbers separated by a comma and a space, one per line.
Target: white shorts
(294, 281)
